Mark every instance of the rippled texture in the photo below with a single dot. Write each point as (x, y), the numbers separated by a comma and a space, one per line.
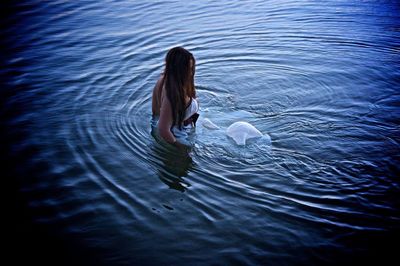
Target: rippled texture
(94, 182)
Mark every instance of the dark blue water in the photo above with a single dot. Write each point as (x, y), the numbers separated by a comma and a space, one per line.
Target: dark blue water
(93, 186)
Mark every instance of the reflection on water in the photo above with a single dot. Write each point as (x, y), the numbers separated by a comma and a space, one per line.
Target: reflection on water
(176, 167)
(175, 163)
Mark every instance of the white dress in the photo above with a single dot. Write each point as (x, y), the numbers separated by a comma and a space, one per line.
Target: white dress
(189, 120)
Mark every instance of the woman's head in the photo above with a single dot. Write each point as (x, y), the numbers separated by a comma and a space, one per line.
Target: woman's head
(179, 80)
(180, 67)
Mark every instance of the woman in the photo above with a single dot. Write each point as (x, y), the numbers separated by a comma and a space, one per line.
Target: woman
(174, 96)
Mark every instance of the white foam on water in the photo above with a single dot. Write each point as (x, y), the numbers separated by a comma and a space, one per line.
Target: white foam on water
(208, 124)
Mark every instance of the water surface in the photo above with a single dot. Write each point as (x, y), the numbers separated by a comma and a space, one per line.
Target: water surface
(321, 78)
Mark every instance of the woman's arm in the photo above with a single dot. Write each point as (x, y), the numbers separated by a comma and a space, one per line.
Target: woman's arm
(165, 121)
(155, 102)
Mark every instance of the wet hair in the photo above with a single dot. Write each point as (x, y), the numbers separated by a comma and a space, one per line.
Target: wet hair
(179, 81)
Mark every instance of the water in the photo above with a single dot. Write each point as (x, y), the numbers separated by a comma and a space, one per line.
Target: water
(94, 184)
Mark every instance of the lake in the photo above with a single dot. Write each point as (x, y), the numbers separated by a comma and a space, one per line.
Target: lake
(94, 185)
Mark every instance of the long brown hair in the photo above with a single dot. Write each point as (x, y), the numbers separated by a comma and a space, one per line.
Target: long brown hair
(179, 81)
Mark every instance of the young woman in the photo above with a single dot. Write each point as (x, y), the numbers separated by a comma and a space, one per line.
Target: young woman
(174, 95)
